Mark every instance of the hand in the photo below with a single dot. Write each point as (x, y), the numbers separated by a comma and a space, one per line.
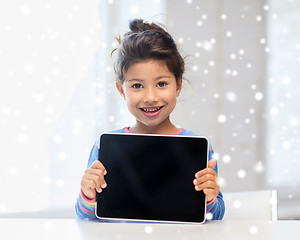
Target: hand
(93, 180)
(207, 181)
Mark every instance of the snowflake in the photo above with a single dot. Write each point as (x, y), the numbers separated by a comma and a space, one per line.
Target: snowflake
(286, 80)
(134, 9)
(232, 56)
(222, 118)
(294, 122)
(274, 111)
(199, 23)
(207, 46)
(29, 68)
(231, 96)
(60, 183)
(267, 49)
(286, 145)
(223, 16)
(57, 139)
(216, 156)
(25, 10)
(266, 7)
(237, 204)
(259, 96)
(226, 159)
(262, 41)
(12, 171)
(148, 229)
(211, 63)
(241, 51)
(6, 111)
(259, 167)
(216, 95)
(209, 216)
(253, 230)
(228, 34)
(258, 18)
(241, 173)
(48, 226)
(50, 110)
(111, 118)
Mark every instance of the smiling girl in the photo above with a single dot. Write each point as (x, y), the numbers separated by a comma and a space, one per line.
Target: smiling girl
(149, 72)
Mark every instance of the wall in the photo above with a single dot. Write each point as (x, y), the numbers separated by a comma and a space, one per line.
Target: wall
(226, 66)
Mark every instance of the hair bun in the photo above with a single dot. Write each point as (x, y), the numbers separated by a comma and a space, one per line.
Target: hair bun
(139, 25)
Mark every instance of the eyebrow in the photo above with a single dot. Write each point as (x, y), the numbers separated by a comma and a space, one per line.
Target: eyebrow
(141, 80)
(135, 80)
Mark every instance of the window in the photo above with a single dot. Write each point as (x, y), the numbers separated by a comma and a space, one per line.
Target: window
(283, 116)
(283, 92)
(55, 74)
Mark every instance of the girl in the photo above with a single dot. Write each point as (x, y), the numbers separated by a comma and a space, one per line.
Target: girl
(149, 73)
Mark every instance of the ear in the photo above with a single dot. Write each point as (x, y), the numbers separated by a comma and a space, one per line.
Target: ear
(178, 86)
(120, 89)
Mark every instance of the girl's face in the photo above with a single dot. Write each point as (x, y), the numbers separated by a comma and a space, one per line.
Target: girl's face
(150, 91)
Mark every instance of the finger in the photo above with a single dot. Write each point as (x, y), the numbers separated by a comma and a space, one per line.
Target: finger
(87, 184)
(204, 172)
(88, 188)
(212, 163)
(208, 184)
(94, 171)
(205, 178)
(98, 165)
(91, 182)
(97, 175)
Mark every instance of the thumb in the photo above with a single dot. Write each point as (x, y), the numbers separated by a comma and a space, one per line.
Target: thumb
(212, 163)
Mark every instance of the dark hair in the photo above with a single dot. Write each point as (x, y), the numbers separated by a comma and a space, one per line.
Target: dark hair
(144, 41)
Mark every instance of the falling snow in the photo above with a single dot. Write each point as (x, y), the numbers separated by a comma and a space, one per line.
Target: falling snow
(226, 159)
(57, 102)
(241, 173)
(253, 230)
(259, 96)
(148, 229)
(237, 204)
(222, 118)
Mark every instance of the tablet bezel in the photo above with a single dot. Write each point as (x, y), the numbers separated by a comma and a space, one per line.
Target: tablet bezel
(147, 220)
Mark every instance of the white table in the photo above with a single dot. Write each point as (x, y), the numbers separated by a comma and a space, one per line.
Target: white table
(72, 229)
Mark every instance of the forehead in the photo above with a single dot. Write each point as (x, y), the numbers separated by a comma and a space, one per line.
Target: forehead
(149, 68)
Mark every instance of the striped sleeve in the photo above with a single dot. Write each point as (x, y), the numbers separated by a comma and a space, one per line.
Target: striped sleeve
(216, 206)
(85, 208)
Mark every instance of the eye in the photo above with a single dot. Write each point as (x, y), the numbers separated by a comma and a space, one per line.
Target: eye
(137, 86)
(162, 84)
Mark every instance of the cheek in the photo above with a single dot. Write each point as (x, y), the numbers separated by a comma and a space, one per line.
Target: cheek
(171, 96)
(131, 99)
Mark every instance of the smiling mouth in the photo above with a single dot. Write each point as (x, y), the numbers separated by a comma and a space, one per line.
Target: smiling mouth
(151, 109)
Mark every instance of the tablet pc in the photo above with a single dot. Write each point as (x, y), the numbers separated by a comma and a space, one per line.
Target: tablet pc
(150, 178)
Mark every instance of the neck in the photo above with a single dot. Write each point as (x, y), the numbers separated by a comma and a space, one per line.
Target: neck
(166, 128)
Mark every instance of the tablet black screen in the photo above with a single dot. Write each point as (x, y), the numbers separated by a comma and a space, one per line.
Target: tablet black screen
(150, 177)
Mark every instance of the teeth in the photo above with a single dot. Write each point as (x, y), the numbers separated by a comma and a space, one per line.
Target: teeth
(151, 109)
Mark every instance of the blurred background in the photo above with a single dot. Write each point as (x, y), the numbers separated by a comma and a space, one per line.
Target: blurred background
(57, 92)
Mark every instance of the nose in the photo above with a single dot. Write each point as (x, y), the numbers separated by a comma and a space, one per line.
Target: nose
(150, 96)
